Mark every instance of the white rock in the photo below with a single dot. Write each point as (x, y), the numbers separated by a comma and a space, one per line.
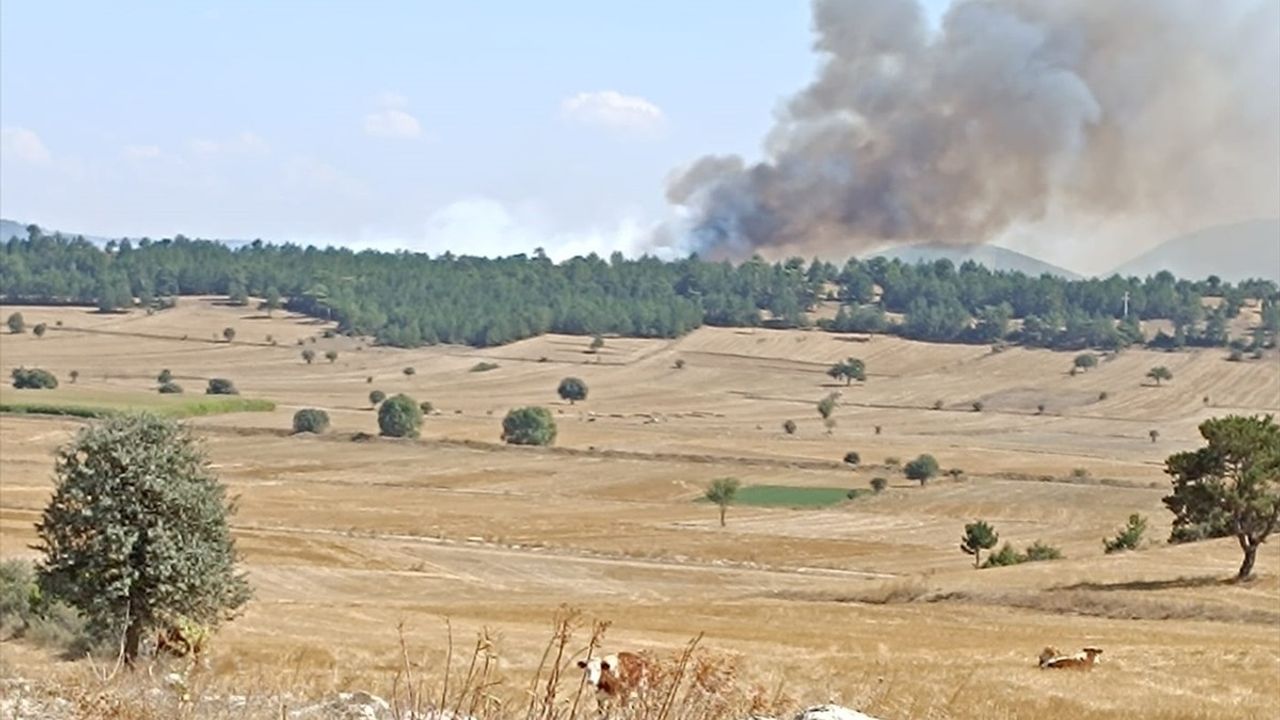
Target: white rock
(831, 712)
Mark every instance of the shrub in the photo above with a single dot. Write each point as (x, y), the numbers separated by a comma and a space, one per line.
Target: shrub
(789, 427)
(955, 473)
(409, 371)
(1159, 373)
(164, 376)
(229, 334)
(878, 484)
(597, 342)
(849, 369)
(921, 469)
(1084, 361)
(16, 323)
(827, 405)
(1038, 551)
(331, 356)
(74, 375)
(40, 329)
(892, 461)
(1040, 409)
(937, 404)
(1103, 396)
(310, 420)
(376, 396)
(221, 386)
(977, 406)
(426, 407)
(852, 458)
(572, 389)
(1080, 473)
(400, 416)
(484, 367)
(1006, 555)
(1236, 356)
(25, 612)
(171, 388)
(369, 380)
(679, 363)
(878, 428)
(308, 355)
(137, 545)
(1128, 537)
(33, 379)
(529, 426)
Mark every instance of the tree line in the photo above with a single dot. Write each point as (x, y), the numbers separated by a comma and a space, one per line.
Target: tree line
(408, 300)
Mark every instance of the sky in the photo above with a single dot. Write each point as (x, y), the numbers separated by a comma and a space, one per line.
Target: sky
(478, 127)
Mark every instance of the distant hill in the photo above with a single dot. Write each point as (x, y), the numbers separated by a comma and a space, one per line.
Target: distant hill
(995, 258)
(1233, 252)
(9, 228)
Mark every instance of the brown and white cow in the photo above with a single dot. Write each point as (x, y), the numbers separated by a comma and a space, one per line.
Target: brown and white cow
(1051, 659)
(618, 679)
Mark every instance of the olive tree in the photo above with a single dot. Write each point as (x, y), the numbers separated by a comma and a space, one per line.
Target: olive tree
(376, 396)
(849, 369)
(309, 355)
(1233, 481)
(529, 426)
(310, 420)
(16, 323)
(1085, 361)
(331, 356)
(135, 536)
(572, 389)
(33, 379)
(722, 492)
(229, 334)
(922, 469)
(40, 329)
(221, 386)
(1159, 373)
(400, 416)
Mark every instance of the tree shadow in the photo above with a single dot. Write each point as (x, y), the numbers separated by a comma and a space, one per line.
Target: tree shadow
(1179, 583)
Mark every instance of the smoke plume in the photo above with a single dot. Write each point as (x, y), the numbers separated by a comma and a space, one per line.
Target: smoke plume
(1010, 113)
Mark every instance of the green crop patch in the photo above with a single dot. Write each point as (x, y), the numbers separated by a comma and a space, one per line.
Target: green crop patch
(792, 497)
(103, 405)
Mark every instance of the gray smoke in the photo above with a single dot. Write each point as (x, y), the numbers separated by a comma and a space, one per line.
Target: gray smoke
(1013, 111)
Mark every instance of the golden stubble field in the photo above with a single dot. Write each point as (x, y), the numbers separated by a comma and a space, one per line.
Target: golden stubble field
(870, 602)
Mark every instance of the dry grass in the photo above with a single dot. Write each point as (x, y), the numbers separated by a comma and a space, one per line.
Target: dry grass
(869, 602)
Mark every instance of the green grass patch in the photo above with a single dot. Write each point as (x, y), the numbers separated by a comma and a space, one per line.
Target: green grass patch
(104, 405)
(793, 497)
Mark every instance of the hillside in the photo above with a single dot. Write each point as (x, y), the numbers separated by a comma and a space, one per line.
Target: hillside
(1234, 252)
(995, 258)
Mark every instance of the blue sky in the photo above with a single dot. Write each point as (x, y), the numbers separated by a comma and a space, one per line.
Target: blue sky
(470, 126)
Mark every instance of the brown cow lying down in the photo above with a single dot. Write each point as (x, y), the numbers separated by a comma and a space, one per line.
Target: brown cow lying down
(1052, 659)
(617, 678)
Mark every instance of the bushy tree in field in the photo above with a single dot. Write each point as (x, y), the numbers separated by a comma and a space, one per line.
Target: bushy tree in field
(400, 416)
(136, 536)
(849, 369)
(1006, 555)
(1159, 373)
(529, 426)
(922, 469)
(16, 323)
(1128, 537)
(33, 379)
(1233, 482)
(827, 405)
(229, 334)
(164, 376)
(1153, 434)
(169, 388)
(376, 396)
(572, 389)
(409, 371)
(74, 375)
(40, 329)
(789, 427)
(1039, 551)
(722, 492)
(309, 355)
(878, 484)
(310, 420)
(331, 356)
(221, 386)
(978, 536)
(852, 458)
(1085, 361)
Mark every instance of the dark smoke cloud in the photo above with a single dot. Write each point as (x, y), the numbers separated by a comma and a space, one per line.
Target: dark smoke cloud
(1012, 112)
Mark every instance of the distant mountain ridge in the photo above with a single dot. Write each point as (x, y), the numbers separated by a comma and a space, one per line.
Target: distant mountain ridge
(992, 256)
(9, 228)
(1233, 252)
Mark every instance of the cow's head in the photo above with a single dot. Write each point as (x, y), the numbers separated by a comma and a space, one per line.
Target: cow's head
(595, 668)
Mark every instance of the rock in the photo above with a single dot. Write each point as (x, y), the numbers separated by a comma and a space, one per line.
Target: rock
(346, 706)
(831, 712)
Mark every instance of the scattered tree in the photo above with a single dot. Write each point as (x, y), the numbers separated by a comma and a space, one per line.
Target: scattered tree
(136, 536)
(878, 484)
(1040, 409)
(1159, 373)
(977, 406)
(309, 355)
(529, 426)
(572, 389)
(229, 334)
(597, 342)
(1085, 361)
(221, 386)
(978, 536)
(272, 301)
(922, 469)
(16, 323)
(1038, 551)
(409, 371)
(1128, 537)
(1234, 481)
(789, 427)
(164, 376)
(310, 420)
(426, 407)
(849, 369)
(40, 329)
(722, 492)
(827, 405)
(376, 396)
(169, 388)
(852, 458)
(75, 375)
(400, 416)
(33, 379)
(1153, 434)
(331, 356)
(679, 363)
